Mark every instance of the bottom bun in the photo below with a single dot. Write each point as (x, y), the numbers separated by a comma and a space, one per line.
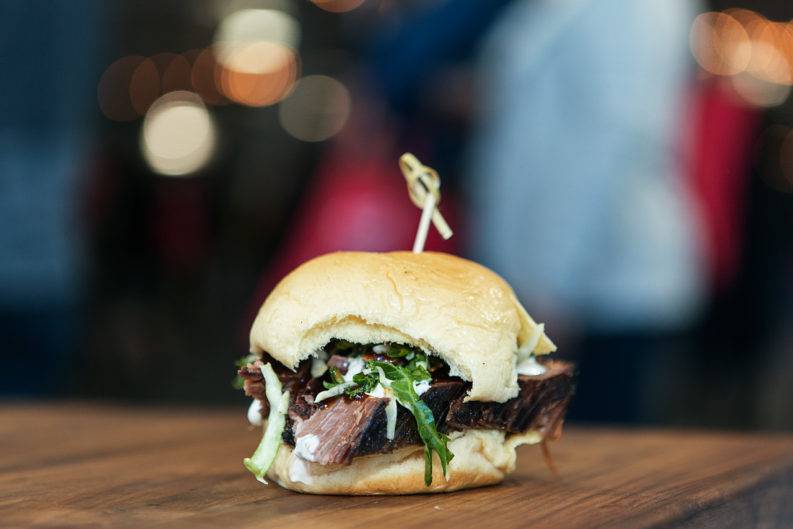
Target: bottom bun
(481, 457)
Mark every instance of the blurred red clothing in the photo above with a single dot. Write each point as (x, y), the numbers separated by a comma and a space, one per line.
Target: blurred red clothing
(722, 131)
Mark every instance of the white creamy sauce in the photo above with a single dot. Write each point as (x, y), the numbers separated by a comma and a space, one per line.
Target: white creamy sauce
(354, 366)
(255, 413)
(380, 349)
(306, 447)
(383, 379)
(377, 392)
(298, 471)
(531, 367)
(532, 342)
(455, 372)
(527, 364)
(391, 417)
(318, 365)
(422, 386)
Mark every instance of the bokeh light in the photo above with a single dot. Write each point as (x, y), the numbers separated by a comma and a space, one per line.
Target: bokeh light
(266, 88)
(317, 108)
(241, 32)
(176, 75)
(205, 77)
(255, 51)
(768, 63)
(756, 53)
(746, 17)
(760, 92)
(144, 87)
(337, 6)
(720, 44)
(178, 136)
(113, 90)
(162, 60)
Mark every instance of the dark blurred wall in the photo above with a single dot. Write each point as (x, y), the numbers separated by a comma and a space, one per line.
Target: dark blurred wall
(174, 262)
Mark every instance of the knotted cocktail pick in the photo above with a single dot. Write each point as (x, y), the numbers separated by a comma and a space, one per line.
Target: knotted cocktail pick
(424, 186)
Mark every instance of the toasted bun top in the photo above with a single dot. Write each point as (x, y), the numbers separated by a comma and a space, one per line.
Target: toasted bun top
(448, 306)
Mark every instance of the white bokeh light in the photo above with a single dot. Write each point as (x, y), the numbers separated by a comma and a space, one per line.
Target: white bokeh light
(239, 38)
(178, 136)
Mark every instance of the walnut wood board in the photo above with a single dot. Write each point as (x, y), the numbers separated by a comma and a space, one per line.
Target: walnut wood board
(83, 465)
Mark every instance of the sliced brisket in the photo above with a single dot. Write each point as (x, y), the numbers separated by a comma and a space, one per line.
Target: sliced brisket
(340, 426)
(437, 398)
(540, 405)
(349, 428)
(339, 362)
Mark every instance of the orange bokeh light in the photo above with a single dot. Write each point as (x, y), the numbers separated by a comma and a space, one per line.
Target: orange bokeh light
(720, 43)
(144, 87)
(176, 75)
(112, 92)
(769, 42)
(205, 77)
(264, 88)
(337, 6)
(746, 18)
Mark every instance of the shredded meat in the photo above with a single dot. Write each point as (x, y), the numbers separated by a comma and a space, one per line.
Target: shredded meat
(253, 385)
(299, 383)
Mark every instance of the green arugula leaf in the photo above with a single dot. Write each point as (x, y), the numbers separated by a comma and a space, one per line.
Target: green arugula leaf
(346, 348)
(238, 382)
(398, 351)
(420, 373)
(402, 385)
(427, 466)
(390, 370)
(418, 367)
(245, 360)
(335, 378)
(366, 382)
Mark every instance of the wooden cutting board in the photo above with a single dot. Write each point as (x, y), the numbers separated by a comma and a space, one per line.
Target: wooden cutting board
(80, 465)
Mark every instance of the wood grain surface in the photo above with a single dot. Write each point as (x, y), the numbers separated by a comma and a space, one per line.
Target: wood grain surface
(82, 465)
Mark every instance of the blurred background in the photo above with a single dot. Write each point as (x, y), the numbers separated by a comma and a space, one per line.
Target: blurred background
(627, 166)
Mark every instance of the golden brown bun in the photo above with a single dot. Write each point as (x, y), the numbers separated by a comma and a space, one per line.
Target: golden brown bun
(448, 306)
(481, 457)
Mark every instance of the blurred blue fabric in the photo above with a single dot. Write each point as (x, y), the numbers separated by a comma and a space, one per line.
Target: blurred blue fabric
(407, 51)
(578, 188)
(46, 117)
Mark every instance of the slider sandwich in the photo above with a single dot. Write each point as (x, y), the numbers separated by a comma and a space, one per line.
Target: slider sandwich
(397, 373)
